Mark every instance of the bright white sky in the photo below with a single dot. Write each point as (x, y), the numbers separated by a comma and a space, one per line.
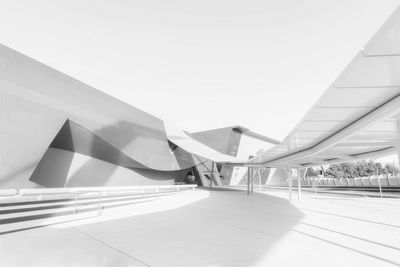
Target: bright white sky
(204, 64)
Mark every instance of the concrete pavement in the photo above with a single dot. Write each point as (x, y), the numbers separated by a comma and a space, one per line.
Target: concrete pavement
(220, 228)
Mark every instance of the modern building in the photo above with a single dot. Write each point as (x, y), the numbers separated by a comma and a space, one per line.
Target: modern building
(56, 131)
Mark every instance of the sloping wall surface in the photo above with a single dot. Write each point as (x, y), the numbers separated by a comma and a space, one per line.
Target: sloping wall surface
(224, 140)
(61, 168)
(35, 103)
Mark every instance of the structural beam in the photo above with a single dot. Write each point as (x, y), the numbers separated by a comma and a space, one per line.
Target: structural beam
(389, 108)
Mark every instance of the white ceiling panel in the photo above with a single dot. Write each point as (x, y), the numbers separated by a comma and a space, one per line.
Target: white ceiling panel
(386, 41)
(338, 114)
(371, 72)
(381, 126)
(356, 114)
(309, 134)
(321, 125)
(374, 135)
(350, 97)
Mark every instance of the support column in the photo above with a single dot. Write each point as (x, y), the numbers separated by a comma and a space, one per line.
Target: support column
(290, 184)
(298, 184)
(212, 174)
(248, 180)
(398, 144)
(252, 180)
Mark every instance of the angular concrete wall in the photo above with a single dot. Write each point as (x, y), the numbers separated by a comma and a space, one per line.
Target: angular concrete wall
(224, 140)
(61, 168)
(35, 103)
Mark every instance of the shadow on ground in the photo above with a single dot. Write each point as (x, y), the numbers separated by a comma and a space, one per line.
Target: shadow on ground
(228, 228)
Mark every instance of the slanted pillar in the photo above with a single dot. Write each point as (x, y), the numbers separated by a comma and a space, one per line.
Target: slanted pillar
(212, 173)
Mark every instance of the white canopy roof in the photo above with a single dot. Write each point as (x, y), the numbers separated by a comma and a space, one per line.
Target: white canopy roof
(357, 117)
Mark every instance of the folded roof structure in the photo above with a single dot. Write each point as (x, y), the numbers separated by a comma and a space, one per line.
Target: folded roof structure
(357, 116)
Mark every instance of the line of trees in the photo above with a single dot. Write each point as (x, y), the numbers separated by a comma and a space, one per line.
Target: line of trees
(360, 168)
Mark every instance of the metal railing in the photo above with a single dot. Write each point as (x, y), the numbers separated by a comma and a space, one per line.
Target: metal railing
(87, 196)
(383, 180)
(45, 206)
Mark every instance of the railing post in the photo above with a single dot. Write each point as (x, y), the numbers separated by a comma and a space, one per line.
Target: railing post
(379, 184)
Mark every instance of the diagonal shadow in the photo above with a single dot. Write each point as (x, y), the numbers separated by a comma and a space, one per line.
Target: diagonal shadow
(221, 229)
(351, 236)
(348, 248)
(352, 218)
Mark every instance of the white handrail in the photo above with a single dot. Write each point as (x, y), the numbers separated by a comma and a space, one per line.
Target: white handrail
(8, 192)
(72, 190)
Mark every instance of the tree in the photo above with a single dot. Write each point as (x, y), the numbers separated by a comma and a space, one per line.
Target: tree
(334, 171)
(360, 168)
(378, 167)
(391, 169)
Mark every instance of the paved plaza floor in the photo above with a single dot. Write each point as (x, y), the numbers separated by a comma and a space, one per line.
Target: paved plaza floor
(220, 228)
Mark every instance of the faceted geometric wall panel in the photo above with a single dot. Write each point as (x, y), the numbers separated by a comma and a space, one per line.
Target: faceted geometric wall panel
(76, 138)
(62, 168)
(41, 108)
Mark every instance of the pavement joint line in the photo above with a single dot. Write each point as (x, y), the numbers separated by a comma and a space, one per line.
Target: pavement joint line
(321, 239)
(347, 247)
(351, 218)
(113, 248)
(350, 236)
